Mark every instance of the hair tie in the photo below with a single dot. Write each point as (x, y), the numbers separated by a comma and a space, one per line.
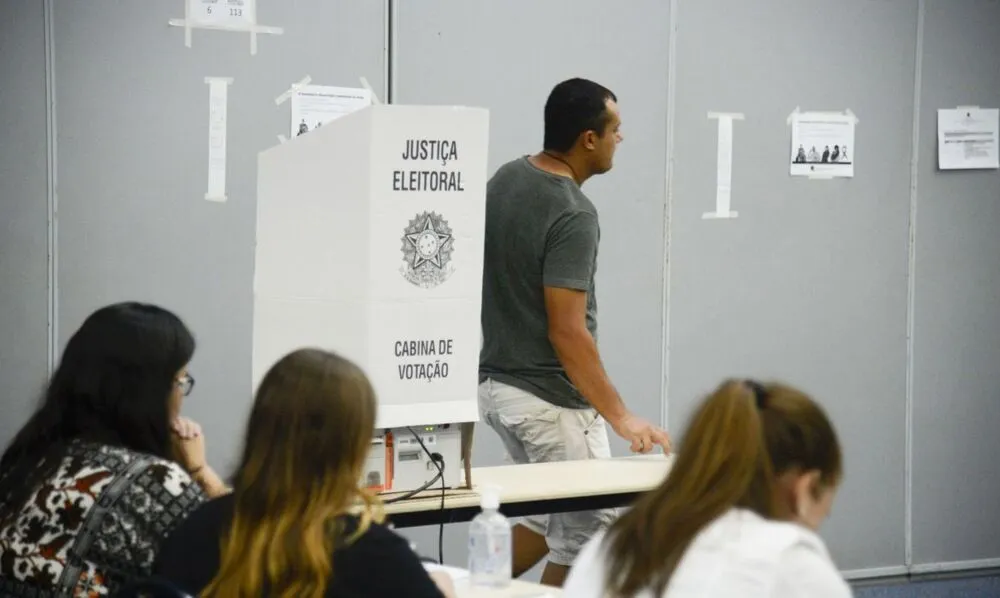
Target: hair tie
(759, 393)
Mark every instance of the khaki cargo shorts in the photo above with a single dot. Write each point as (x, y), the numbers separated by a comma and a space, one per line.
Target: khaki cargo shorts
(535, 431)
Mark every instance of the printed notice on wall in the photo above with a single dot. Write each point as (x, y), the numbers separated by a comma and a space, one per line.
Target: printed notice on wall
(968, 138)
(315, 105)
(822, 144)
(224, 14)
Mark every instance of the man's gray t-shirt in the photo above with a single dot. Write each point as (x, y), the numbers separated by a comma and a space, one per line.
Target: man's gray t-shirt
(541, 231)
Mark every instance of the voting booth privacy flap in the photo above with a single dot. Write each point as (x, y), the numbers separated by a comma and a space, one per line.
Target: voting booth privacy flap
(370, 244)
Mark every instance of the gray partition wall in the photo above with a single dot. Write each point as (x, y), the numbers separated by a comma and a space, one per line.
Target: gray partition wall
(890, 321)
(23, 212)
(808, 283)
(133, 153)
(956, 401)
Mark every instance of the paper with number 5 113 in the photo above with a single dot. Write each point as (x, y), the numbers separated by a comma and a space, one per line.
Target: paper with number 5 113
(223, 14)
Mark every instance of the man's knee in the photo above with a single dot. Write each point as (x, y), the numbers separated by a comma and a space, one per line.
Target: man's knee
(535, 523)
(568, 533)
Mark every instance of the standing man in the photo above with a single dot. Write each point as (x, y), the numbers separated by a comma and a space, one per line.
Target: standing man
(542, 387)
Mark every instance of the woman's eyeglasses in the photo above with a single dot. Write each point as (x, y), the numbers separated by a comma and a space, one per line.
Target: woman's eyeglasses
(186, 384)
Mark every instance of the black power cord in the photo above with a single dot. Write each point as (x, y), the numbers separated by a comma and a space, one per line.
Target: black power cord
(413, 493)
(438, 461)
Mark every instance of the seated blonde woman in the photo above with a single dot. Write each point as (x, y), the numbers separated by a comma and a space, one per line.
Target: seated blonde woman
(287, 528)
(753, 480)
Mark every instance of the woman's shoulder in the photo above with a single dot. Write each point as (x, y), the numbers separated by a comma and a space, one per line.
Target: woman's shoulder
(751, 542)
(113, 457)
(806, 569)
(375, 534)
(588, 576)
(377, 540)
(142, 488)
(785, 535)
(205, 521)
(800, 560)
(166, 477)
(140, 497)
(753, 529)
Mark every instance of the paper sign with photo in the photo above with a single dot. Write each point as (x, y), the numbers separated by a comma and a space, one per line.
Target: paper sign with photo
(822, 144)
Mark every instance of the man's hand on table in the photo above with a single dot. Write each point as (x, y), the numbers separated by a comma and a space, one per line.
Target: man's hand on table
(641, 434)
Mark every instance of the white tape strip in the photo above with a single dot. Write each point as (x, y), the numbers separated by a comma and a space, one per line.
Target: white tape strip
(726, 115)
(253, 30)
(849, 113)
(218, 97)
(187, 24)
(291, 90)
(717, 216)
(724, 165)
(791, 116)
(368, 86)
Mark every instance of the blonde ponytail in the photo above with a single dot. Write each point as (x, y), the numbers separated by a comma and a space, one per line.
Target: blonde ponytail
(738, 442)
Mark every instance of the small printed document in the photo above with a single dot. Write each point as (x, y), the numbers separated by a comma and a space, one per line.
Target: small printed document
(315, 105)
(968, 138)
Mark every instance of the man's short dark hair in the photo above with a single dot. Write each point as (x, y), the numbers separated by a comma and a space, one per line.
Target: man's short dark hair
(574, 107)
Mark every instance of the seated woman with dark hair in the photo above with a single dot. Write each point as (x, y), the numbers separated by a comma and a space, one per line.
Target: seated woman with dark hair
(106, 467)
(287, 529)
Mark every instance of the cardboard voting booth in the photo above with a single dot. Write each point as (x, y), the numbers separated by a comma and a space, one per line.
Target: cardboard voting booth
(370, 243)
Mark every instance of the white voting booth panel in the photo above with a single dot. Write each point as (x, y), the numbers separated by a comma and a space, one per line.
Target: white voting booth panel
(370, 243)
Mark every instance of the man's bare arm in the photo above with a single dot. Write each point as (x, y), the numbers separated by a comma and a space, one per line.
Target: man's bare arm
(577, 352)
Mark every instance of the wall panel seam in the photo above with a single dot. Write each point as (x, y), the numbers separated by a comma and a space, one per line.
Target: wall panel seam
(51, 191)
(668, 189)
(389, 50)
(911, 282)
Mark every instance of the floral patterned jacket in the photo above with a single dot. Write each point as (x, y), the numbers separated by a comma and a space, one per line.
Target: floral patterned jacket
(95, 524)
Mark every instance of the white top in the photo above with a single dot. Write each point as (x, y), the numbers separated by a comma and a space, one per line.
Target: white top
(738, 554)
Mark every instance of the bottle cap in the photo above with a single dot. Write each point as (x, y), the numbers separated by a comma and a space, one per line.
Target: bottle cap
(489, 497)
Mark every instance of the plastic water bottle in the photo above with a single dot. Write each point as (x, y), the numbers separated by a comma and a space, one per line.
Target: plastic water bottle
(489, 543)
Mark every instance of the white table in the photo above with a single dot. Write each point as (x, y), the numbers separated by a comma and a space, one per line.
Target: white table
(516, 589)
(538, 488)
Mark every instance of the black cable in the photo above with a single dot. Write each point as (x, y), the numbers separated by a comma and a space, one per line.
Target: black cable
(413, 493)
(438, 461)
